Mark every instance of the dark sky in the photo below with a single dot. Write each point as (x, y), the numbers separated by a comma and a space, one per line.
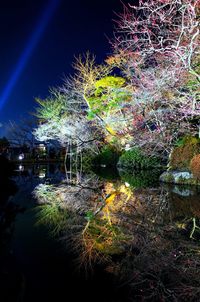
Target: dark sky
(75, 27)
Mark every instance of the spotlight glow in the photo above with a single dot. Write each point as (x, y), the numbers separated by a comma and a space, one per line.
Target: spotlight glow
(31, 45)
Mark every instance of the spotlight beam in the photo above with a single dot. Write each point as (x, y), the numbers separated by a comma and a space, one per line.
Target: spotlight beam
(30, 47)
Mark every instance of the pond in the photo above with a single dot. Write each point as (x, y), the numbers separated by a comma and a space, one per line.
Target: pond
(109, 236)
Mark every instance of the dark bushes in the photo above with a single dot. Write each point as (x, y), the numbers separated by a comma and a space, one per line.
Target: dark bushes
(108, 157)
(135, 159)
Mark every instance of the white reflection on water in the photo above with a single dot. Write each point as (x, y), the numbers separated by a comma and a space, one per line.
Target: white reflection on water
(21, 168)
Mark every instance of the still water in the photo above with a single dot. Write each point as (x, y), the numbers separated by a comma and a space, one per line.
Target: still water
(106, 237)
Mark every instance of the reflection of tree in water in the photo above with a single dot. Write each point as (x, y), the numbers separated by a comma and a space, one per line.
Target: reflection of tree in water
(140, 235)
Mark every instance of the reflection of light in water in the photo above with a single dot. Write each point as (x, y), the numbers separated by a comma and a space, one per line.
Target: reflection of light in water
(21, 168)
(120, 223)
(42, 174)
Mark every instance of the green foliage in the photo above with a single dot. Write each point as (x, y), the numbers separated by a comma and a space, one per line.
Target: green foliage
(135, 159)
(90, 115)
(50, 109)
(109, 94)
(110, 81)
(109, 156)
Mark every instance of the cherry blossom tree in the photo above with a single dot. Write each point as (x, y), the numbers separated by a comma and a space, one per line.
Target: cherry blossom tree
(161, 33)
(157, 46)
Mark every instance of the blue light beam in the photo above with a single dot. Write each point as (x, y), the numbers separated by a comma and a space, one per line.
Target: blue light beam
(31, 45)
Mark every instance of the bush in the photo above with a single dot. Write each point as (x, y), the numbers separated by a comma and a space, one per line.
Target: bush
(135, 159)
(109, 156)
(182, 155)
(195, 166)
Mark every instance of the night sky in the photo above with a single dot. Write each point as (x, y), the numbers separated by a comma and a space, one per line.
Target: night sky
(74, 27)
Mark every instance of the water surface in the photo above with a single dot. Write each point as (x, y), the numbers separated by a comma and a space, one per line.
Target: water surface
(105, 238)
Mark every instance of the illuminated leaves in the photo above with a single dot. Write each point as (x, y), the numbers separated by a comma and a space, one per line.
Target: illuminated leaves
(110, 82)
(87, 72)
(109, 95)
(50, 108)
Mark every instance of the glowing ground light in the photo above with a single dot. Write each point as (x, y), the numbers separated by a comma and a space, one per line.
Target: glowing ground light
(21, 156)
(31, 45)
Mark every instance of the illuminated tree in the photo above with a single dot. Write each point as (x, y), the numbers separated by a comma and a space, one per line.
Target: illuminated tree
(68, 130)
(51, 108)
(102, 95)
(108, 101)
(61, 120)
(87, 72)
(97, 90)
(160, 33)
(157, 45)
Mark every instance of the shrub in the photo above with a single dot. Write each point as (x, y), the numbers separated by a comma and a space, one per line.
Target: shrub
(181, 156)
(109, 156)
(135, 159)
(195, 166)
